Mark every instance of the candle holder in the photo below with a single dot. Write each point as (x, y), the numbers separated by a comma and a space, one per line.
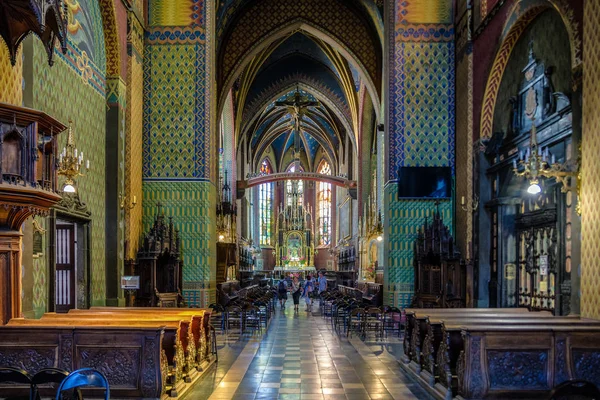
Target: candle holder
(471, 206)
(70, 163)
(123, 200)
(535, 162)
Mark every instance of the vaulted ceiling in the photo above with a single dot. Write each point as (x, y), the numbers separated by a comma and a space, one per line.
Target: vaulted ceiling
(340, 73)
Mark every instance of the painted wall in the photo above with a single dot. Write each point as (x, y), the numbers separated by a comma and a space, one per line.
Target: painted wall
(179, 153)
(590, 168)
(420, 128)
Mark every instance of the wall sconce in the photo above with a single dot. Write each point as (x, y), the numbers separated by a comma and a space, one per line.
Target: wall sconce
(70, 163)
(122, 200)
(472, 206)
(534, 163)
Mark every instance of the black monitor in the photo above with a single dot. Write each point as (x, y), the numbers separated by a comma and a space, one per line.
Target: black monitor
(424, 182)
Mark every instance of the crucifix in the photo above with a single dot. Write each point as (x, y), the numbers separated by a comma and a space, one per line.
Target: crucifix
(297, 106)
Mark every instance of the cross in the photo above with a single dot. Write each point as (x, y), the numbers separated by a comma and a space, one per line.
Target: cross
(297, 105)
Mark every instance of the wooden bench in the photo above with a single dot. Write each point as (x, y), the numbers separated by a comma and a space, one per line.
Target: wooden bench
(130, 357)
(443, 344)
(198, 321)
(206, 345)
(410, 345)
(176, 361)
(508, 361)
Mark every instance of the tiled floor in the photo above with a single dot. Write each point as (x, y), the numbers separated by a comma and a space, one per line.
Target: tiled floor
(299, 357)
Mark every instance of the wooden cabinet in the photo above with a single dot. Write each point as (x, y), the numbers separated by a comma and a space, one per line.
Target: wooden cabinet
(440, 274)
(159, 265)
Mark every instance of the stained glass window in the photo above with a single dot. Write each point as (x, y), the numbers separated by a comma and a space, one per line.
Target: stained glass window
(289, 185)
(324, 206)
(265, 200)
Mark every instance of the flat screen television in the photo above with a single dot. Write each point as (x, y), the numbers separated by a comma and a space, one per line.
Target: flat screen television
(425, 182)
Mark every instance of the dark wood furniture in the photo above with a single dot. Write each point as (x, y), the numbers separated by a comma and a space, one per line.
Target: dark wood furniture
(372, 293)
(528, 248)
(186, 347)
(159, 265)
(228, 292)
(28, 186)
(498, 353)
(346, 272)
(440, 274)
(130, 357)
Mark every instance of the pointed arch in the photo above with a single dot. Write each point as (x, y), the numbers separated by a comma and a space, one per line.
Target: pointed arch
(234, 60)
(265, 206)
(518, 20)
(324, 202)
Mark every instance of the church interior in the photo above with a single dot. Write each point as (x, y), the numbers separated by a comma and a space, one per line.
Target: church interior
(420, 173)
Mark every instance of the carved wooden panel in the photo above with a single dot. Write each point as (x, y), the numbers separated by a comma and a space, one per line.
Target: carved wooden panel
(120, 366)
(31, 359)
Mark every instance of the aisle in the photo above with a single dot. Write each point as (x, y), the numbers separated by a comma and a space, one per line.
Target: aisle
(301, 358)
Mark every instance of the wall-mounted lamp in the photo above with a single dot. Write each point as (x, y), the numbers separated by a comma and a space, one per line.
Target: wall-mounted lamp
(122, 201)
(472, 205)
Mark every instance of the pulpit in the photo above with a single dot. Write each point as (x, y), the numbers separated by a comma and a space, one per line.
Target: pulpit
(159, 265)
(440, 274)
(27, 187)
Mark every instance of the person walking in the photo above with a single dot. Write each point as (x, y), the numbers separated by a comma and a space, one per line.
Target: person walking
(296, 292)
(307, 292)
(322, 282)
(282, 293)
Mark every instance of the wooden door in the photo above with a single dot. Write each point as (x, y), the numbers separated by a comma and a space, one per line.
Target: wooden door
(65, 268)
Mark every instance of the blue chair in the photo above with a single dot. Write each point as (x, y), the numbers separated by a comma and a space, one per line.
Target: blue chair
(82, 378)
(16, 376)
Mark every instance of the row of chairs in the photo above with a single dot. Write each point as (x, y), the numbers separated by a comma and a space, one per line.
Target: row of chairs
(348, 315)
(253, 311)
(51, 377)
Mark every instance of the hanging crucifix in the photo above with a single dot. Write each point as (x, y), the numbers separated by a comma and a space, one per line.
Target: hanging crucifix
(297, 106)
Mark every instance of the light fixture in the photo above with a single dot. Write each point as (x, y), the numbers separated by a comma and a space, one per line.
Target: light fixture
(226, 212)
(534, 162)
(534, 187)
(469, 207)
(70, 163)
(379, 238)
(122, 200)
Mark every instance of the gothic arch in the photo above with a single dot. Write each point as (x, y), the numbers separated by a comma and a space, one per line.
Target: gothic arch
(517, 21)
(256, 29)
(308, 86)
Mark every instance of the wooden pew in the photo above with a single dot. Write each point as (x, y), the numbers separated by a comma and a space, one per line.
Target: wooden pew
(507, 361)
(204, 347)
(177, 361)
(130, 357)
(443, 343)
(412, 313)
(196, 320)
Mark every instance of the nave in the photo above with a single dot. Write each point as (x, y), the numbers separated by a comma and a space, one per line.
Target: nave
(300, 357)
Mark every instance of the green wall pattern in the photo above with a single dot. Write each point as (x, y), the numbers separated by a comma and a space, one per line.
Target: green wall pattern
(61, 92)
(174, 112)
(406, 217)
(192, 206)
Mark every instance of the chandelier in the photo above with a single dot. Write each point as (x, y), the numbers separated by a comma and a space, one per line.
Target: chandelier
(536, 162)
(70, 163)
(226, 212)
(45, 18)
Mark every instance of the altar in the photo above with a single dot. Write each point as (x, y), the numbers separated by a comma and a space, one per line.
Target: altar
(294, 246)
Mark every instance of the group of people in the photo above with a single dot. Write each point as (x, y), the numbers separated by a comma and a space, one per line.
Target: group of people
(306, 290)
